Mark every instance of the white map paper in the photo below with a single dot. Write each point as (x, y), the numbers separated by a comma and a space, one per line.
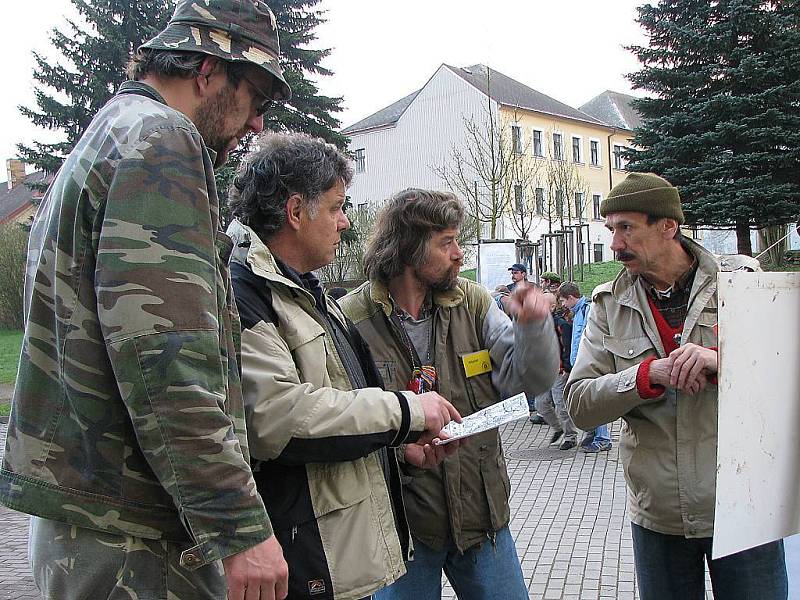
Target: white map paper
(498, 414)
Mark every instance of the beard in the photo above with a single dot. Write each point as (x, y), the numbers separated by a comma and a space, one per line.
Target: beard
(210, 120)
(441, 282)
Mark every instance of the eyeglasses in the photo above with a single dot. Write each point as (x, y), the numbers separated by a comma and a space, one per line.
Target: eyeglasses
(264, 105)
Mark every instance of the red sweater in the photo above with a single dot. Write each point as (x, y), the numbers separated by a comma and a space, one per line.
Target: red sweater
(670, 336)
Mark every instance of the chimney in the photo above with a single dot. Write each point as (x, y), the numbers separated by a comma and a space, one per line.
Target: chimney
(16, 172)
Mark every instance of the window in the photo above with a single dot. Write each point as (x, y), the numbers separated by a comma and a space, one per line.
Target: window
(596, 206)
(619, 162)
(598, 253)
(360, 160)
(516, 139)
(537, 143)
(577, 143)
(539, 195)
(559, 202)
(558, 148)
(519, 199)
(579, 205)
(594, 150)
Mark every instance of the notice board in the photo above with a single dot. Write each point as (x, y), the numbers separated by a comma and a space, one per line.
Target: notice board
(494, 259)
(758, 452)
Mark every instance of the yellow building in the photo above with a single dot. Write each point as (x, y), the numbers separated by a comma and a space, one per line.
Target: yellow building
(565, 158)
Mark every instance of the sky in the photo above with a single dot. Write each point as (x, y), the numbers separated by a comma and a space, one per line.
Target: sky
(382, 50)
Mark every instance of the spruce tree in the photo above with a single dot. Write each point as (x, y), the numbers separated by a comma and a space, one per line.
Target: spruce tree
(308, 111)
(90, 69)
(724, 120)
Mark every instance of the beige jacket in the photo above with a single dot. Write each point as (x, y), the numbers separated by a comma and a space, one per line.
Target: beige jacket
(319, 446)
(668, 445)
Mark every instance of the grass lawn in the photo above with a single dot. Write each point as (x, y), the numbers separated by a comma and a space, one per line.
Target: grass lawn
(10, 344)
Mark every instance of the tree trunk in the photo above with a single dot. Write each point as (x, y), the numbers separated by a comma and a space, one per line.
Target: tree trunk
(743, 245)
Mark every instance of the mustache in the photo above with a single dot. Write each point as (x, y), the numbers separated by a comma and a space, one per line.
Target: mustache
(622, 255)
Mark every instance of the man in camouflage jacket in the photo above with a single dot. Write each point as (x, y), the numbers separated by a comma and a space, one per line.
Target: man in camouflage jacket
(127, 439)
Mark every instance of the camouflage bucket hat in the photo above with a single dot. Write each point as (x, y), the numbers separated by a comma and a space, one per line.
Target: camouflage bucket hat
(235, 30)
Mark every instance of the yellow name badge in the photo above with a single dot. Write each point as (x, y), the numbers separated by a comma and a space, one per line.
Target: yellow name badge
(477, 363)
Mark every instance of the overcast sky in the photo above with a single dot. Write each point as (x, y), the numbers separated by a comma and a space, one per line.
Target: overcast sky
(383, 50)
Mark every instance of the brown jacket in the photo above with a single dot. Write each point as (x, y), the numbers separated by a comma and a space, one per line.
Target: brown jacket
(466, 498)
(668, 445)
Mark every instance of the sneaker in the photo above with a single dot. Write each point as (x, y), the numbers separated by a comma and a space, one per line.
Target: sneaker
(567, 445)
(556, 436)
(596, 446)
(587, 440)
(537, 419)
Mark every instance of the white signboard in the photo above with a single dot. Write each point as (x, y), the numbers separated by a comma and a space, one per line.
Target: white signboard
(494, 259)
(758, 479)
(492, 417)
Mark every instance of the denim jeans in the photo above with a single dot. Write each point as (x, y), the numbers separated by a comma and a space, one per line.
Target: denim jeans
(599, 433)
(481, 573)
(671, 567)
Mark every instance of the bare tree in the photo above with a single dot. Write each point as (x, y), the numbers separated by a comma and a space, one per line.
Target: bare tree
(348, 264)
(527, 204)
(480, 169)
(567, 197)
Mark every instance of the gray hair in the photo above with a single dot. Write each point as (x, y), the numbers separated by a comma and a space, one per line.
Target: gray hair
(175, 63)
(403, 228)
(285, 164)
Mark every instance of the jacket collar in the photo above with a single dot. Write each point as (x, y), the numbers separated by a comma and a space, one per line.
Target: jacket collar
(631, 292)
(379, 294)
(254, 254)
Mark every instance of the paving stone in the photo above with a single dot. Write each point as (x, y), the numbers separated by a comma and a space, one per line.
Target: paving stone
(569, 523)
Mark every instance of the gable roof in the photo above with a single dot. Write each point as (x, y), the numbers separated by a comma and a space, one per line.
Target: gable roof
(505, 90)
(15, 200)
(511, 92)
(614, 108)
(385, 116)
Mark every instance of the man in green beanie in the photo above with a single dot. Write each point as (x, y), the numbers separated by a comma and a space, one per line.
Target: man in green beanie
(126, 439)
(649, 355)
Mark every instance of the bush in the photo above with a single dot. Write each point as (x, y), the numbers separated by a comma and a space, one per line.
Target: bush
(13, 249)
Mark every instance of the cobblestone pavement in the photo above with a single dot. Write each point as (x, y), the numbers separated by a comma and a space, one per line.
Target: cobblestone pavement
(568, 520)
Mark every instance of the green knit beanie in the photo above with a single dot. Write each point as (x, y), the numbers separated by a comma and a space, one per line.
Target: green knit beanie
(645, 193)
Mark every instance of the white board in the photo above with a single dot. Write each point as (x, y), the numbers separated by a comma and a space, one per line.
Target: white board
(758, 479)
(494, 259)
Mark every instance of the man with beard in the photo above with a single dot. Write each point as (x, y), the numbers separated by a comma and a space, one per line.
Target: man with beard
(649, 355)
(127, 440)
(318, 422)
(431, 330)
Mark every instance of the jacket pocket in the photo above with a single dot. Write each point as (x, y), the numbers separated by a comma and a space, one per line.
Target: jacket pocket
(480, 392)
(334, 486)
(627, 351)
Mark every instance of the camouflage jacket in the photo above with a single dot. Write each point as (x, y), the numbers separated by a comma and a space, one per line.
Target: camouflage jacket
(127, 414)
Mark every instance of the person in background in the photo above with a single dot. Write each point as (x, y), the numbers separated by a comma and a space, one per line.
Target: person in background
(597, 439)
(550, 282)
(550, 404)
